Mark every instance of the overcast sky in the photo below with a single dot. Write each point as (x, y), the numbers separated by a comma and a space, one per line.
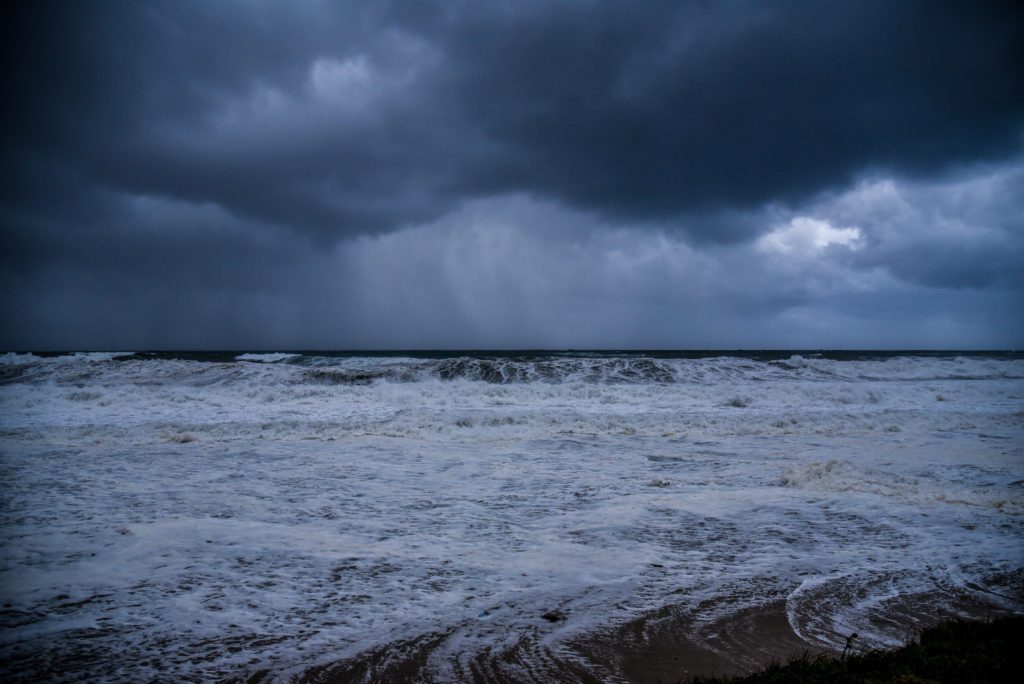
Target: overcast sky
(304, 174)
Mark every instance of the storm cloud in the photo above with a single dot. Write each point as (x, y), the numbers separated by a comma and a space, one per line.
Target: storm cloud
(410, 174)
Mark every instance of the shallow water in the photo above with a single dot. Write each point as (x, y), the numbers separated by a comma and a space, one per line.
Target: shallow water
(189, 518)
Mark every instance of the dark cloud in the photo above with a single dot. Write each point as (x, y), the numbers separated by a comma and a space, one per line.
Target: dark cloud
(646, 111)
(724, 104)
(960, 232)
(536, 173)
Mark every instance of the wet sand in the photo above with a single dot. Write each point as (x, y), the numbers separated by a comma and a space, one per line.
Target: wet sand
(673, 644)
(665, 646)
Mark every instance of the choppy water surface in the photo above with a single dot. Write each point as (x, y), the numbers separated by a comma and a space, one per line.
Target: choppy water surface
(189, 516)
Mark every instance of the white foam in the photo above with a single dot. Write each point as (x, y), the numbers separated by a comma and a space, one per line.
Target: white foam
(16, 359)
(267, 358)
(168, 510)
(842, 476)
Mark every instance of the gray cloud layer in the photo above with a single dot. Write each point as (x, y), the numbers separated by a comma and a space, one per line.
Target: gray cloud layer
(512, 174)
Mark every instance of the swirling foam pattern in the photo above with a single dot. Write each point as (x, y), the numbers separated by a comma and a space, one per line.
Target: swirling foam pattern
(207, 516)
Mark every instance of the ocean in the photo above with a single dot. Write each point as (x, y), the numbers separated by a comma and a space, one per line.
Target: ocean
(196, 516)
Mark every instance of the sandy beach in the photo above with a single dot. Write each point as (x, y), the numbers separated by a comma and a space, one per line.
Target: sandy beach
(673, 644)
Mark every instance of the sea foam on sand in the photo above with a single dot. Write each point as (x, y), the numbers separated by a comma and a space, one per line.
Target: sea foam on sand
(179, 518)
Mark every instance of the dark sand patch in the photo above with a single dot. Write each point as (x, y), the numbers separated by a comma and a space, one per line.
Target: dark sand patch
(672, 644)
(675, 644)
(667, 645)
(401, 661)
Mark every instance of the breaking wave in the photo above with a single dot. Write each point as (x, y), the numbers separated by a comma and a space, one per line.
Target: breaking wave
(626, 368)
(843, 477)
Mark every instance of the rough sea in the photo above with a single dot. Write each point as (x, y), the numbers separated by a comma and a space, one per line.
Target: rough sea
(200, 516)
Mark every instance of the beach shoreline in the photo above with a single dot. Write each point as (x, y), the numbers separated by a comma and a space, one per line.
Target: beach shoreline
(672, 644)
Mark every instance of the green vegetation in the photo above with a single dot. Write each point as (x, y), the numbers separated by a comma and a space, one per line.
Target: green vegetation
(959, 651)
